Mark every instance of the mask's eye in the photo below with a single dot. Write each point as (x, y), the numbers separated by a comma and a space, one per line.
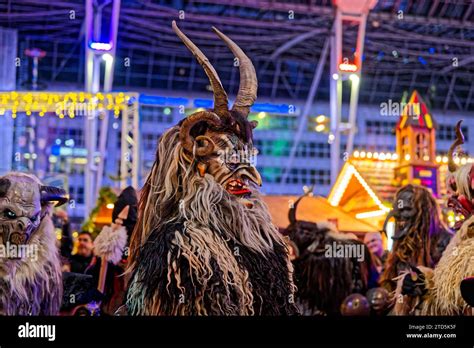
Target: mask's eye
(232, 166)
(9, 214)
(34, 219)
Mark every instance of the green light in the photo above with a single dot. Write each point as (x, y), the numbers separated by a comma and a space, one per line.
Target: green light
(279, 147)
(167, 111)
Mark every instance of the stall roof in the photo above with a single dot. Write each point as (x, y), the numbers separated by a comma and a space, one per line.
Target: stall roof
(314, 209)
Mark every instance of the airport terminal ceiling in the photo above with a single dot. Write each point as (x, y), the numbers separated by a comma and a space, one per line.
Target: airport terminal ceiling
(423, 45)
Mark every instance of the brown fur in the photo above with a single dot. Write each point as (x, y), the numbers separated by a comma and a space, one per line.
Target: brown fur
(416, 247)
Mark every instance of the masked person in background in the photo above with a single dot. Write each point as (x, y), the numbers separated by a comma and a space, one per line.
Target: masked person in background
(329, 265)
(420, 235)
(112, 245)
(30, 269)
(447, 289)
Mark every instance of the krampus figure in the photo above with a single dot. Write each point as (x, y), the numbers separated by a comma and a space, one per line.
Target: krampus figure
(329, 265)
(30, 271)
(420, 236)
(438, 291)
(204, 243)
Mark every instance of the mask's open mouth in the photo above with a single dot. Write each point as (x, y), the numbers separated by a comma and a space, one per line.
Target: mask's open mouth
(402, 224)
(237, 188)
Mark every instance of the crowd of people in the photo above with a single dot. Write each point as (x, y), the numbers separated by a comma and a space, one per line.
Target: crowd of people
(79, 256)
(325, 285)
(201, 239)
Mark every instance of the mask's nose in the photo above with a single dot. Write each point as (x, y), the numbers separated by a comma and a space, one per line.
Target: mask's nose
(253, 174)
(21, 225)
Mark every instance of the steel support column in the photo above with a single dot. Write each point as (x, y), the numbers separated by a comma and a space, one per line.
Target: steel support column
(97, 49)
(303, 120)
(341, 69)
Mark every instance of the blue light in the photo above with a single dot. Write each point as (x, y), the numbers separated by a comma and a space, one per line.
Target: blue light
(432, 50)
(55, 149)
(209, 103)
(100, 46)
(164, 101)
(422, 60)
(203, 103)
(273, 108)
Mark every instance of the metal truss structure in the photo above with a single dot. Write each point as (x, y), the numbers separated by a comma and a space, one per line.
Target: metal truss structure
(422, 44)
(86, 106)
(130, 146)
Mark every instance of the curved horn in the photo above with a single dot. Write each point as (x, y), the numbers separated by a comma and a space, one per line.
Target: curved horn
(458, 141)
(188, 141)
(292, 211)
(385, 223)
(221, 104)
(122, 216)
(53, 194)
(248, 77)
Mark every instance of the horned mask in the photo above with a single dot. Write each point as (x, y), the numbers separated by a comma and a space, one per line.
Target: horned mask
(23, 202)
(460, 182)
(219, 142)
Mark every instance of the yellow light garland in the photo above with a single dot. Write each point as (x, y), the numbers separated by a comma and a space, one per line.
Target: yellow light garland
(71, 103)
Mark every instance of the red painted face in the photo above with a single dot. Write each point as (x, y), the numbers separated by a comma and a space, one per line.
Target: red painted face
(459, 202)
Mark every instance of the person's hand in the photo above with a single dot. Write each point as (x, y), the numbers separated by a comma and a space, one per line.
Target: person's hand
(414, 283)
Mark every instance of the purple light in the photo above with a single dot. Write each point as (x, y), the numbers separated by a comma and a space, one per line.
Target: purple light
(100, 46)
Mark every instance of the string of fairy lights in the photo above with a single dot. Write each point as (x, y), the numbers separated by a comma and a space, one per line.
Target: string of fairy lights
(389, 156)
(68, 104)
(382, 158)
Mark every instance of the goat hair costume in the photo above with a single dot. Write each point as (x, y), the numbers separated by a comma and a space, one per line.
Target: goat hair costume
(204, 243)
(30, 279)
(420, 235)
(441, 286)
(324, 279)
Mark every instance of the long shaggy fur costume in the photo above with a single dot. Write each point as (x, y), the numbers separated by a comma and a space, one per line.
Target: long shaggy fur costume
(324, 282)
(443, 295)
(33, 285)
(425, 241)
(197, 251)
